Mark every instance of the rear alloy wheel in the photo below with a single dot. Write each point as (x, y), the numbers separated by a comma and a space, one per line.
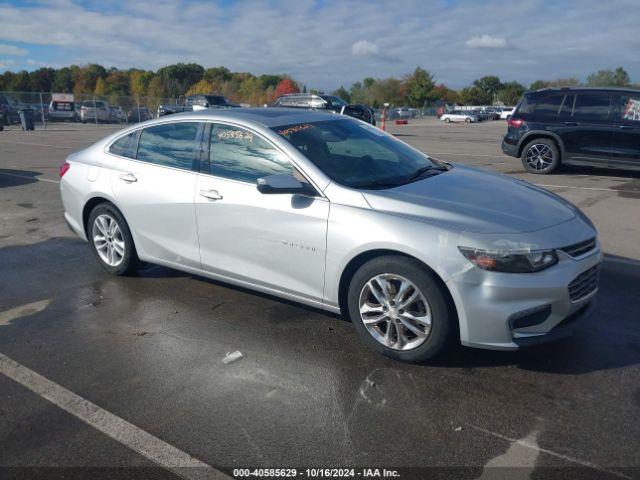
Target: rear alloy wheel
(467, 120)
(111, 240)
(447, 120)
(540, 156)
(398, 308)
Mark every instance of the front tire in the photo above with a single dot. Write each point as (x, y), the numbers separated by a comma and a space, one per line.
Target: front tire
(111, 240)
(540, 156)
(398, 308)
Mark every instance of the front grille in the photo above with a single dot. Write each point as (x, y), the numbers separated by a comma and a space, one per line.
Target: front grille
(580, 248)
(584, 284)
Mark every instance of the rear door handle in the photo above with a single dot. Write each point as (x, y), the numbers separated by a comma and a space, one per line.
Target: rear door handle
(128, 177)
(571, 123)
(211, 194)
(626, 127)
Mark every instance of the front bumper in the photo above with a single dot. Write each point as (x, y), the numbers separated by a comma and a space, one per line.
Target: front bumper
(504, 311)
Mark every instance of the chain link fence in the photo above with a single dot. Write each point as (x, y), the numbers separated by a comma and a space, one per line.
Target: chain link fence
(50, 108)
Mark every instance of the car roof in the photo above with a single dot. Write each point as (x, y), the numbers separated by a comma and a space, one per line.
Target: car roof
(586, 89)
(268, 117)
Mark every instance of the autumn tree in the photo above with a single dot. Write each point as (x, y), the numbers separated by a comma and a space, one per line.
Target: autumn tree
(63, 80)
(418, 87)
(286, 86)
(86, 77)
(203, 86)
(342, 93)
(608, 78)
(42, 79)
(510, 93)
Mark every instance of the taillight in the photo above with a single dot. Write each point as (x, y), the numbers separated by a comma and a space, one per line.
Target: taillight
(64, 168)
(515, 122)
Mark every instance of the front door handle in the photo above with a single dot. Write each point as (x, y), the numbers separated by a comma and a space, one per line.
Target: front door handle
(574, 124)
(211, 194)
(128, 177)
(626, 127)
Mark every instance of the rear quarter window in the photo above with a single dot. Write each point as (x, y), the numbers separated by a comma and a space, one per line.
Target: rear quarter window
(125, 146)
(541, 107)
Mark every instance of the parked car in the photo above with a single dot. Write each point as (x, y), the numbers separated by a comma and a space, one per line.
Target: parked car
(62, 111)
(581, 126)
(329, 103)
(141, 114)
(91, 111)
(402, 112)
(458, 116)
(8, 111)
(196, 102)
(116, 115)
(492, 113)
(505, 112)
(331, 212)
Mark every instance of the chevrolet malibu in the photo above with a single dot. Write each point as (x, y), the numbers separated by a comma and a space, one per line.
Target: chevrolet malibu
(331, 212)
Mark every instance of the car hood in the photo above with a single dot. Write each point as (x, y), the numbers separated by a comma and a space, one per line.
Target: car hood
(473, 200)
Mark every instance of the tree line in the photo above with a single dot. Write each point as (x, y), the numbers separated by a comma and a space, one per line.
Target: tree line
(416, 89)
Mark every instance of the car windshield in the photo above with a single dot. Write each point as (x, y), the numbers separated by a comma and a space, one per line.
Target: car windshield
(358, 155)
(335, 101)
(216, 100)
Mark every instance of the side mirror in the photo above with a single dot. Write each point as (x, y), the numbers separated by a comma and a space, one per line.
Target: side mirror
(280, 183)
(508, 117)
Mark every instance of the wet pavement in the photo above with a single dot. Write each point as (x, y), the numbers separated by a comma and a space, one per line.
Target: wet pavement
(306, 392)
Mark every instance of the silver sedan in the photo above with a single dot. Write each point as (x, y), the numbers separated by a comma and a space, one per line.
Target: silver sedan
(331, 212)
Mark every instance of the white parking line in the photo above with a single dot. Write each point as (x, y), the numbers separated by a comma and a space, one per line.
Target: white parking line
(40, 145)
(577, 188)
(467, 154)
(156, 450)
(534, 446)
(30, 178)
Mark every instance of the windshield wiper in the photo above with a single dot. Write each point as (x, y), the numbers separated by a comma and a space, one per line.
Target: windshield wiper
(421, 171)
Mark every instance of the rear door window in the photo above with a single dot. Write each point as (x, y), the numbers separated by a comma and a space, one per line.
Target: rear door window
(169, 145)
(592, 108)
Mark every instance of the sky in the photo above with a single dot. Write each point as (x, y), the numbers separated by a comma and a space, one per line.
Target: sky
(328, 43)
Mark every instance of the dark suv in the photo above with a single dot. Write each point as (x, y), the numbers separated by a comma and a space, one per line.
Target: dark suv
(8, 111)
(326, 102)
(581, 126)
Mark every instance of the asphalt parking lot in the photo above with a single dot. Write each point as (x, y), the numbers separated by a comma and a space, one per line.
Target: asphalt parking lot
(147, 352)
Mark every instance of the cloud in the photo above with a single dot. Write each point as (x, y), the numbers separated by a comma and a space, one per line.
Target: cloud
(11, 50)
(363, 48)
(486, 41)
(324, 45)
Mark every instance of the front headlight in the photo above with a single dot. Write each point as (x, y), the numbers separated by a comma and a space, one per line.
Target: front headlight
(510, 261)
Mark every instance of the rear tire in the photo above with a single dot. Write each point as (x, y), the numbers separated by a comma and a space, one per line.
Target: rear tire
(467, 121)
(111, 240)
(410, 331)
(540, 156)
(447, 120)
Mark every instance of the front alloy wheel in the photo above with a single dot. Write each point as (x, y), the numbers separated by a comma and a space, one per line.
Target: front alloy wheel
(400, 309)
(395, 312)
